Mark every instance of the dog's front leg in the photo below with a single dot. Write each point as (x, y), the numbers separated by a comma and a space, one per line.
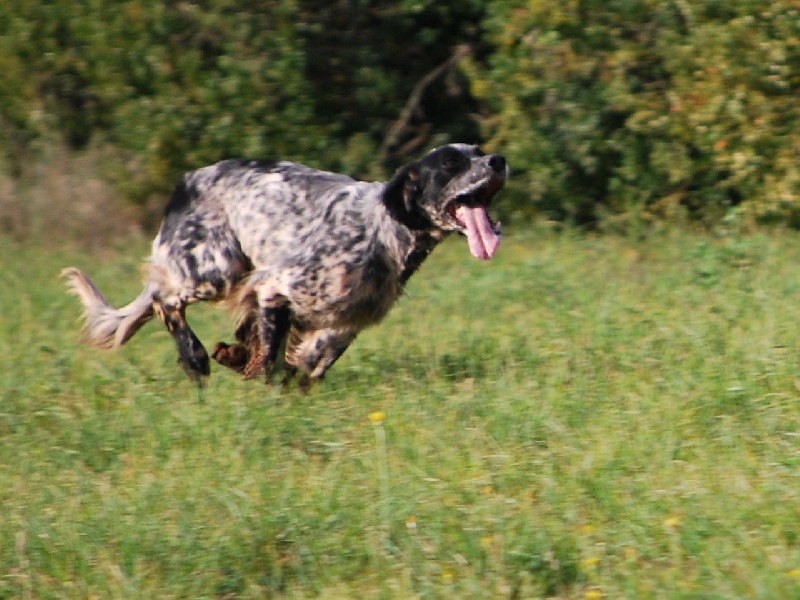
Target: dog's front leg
(313, 352)
(237, 356)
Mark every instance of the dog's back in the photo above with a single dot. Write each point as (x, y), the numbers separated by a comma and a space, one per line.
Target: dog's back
(238, 216)
(288, 212)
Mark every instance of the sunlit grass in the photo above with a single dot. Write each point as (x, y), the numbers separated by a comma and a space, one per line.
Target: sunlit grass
(579, 418)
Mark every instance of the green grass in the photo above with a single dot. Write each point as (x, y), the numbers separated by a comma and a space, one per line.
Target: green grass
(579, 418)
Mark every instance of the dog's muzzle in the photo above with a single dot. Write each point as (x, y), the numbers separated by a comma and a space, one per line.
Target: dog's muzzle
(471, 195)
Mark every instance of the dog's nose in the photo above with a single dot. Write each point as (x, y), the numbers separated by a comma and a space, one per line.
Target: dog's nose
(497, 162)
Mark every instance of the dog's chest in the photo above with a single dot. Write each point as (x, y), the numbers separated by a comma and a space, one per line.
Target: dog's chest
(331, 292)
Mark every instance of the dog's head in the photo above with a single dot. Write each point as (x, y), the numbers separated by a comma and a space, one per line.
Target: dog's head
(449, 189)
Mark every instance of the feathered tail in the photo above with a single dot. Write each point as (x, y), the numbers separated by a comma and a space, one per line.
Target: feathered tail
(105, 326)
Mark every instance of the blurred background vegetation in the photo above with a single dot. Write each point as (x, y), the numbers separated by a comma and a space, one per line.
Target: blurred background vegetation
(613, 114)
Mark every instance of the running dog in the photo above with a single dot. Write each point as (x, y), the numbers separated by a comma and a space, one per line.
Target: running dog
(306, 256)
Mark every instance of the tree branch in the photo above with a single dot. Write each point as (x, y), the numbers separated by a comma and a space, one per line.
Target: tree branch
(415, 99)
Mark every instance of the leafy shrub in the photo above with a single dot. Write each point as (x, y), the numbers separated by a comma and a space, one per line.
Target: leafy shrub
(616, 112)
(646, 109)
(174, 85)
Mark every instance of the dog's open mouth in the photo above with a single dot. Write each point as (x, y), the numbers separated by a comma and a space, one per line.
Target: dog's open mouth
(468, 212)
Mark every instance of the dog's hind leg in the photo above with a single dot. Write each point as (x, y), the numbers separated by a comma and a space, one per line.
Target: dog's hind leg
(264, 336)
(313, 352)
(192, 356)
(195, 258)
(248, 334)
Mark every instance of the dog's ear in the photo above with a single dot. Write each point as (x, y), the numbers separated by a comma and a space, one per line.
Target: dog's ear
(403, 189)
(401, 197)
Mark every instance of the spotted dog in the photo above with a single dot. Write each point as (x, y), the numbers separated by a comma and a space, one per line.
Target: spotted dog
(307, 257)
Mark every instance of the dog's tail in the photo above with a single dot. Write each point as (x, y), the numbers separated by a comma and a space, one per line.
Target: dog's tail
(105, 326)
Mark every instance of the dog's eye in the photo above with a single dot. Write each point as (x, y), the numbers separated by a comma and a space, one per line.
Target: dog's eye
(452, 163)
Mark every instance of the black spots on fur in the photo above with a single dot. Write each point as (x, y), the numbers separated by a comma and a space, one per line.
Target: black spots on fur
(348, 241)
(183, 196)
(233, 255)
(424, 247)
(296, 209)
(331, 208)
(180, 220)
(353, 218)
(376, 268)
(191, 265)
(213, 286)
(228, 255)
(355, 241)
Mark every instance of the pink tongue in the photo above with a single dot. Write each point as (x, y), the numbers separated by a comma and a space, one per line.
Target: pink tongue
(482, 239)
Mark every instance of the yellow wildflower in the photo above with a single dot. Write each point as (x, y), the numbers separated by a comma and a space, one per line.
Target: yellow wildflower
(377, 417)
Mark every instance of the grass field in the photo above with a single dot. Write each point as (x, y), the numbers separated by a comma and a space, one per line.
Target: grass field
(580, 418)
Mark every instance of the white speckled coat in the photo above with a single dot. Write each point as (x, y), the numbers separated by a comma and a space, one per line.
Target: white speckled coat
(303, 254)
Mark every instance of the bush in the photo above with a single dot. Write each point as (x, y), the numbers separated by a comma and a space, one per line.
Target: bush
(610, 112)
(646, 109)
(172, 86)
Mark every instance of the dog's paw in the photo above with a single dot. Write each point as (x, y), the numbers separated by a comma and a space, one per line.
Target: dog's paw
(256, 366)
(235, 356)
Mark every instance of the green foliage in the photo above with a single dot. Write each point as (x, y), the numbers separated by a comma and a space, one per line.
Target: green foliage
(580, 418)
(642, 107)
(175, 85)
(617, 112)
(364, 59)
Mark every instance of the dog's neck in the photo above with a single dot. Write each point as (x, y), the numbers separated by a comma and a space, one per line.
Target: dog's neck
(424, 243)
(407, 247)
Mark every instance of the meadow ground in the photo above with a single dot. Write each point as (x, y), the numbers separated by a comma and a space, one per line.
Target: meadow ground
(579, 418)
